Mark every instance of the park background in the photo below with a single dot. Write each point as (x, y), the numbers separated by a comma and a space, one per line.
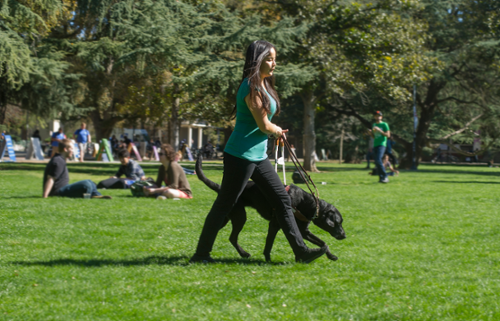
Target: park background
(158, 64)
(424, 247)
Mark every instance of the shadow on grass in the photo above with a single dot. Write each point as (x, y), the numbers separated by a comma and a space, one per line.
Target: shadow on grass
(465, 182)
(339, 168)
(95, 169)
(22, 197)
(456, 172)
(149, 260)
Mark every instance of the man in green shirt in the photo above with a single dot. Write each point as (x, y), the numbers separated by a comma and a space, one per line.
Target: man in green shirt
(380, 132)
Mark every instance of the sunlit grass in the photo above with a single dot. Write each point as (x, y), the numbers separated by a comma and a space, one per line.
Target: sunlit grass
(426, 246)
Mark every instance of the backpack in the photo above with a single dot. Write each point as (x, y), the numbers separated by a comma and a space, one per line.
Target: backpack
(297, 179)
(137, 188)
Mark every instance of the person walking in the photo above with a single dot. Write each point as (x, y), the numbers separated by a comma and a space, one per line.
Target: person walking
(380, 132)
(82, 137)
(245, 156)
(57, 137)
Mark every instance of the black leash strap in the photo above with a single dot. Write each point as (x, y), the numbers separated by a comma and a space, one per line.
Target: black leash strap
(302, 170)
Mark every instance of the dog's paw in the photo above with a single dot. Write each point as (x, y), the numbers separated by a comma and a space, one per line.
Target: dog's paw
(245, 254)
(331, 256)
(267, 257)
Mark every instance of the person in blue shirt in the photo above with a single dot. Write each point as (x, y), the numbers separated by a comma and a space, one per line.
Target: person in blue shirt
(82, 137)
(57, 137)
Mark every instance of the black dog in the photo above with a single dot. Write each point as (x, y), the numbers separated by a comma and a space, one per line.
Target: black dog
(329, 218)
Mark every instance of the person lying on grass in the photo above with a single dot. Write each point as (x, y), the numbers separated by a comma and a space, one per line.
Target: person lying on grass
(129, 168)
(56, 177)
(387, 165)
(172, 174)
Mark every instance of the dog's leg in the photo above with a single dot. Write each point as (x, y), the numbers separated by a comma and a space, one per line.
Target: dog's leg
(238, 218)
(307, 235)
(273, 230)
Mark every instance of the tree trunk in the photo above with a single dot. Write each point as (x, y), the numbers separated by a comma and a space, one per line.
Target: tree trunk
(227, 132)
(104, 116)
(427, 110)
(341, 145)
(309, 101)
(104, 121)
(102, 127)
(174, 120)
(3, 107)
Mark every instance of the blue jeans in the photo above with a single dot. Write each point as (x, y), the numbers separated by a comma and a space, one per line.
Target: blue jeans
(378, 153)
(76, 190)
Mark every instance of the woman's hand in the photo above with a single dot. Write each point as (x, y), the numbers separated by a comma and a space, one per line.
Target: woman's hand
(279, 132)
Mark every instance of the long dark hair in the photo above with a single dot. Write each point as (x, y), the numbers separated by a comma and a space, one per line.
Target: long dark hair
(256, 53)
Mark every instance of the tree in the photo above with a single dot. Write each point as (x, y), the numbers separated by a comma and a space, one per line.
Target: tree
(118, 44)
(213, 82)
(461, 96)
(25, 64)
(352, 48)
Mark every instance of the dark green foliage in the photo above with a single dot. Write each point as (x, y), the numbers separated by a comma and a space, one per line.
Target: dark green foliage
(25, 69)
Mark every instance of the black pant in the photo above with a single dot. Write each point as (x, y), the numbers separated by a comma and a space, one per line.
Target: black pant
(237, 171)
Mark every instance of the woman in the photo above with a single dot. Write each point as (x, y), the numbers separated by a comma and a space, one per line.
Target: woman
(245, 156)
(172, 174)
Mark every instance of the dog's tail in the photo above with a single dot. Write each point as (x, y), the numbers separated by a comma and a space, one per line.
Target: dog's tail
(199, 172)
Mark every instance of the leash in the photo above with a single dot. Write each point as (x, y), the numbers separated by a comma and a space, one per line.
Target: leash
(301, 170)
(279, 143)
(282, 145)
(276, 155)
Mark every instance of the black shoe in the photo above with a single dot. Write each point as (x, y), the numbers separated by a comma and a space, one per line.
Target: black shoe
(311, 255)
(201, 259)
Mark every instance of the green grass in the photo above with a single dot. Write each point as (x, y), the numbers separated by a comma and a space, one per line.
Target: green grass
(424, 247)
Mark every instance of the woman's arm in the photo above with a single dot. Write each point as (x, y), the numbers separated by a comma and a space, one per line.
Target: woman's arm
(260, 116)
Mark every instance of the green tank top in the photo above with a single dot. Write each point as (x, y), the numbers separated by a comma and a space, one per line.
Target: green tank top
(247, 141)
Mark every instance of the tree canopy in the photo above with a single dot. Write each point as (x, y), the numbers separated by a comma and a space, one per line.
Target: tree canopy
(160, 62)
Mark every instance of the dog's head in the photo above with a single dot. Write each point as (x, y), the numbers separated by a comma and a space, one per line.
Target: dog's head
(330, 220)
(329, 217)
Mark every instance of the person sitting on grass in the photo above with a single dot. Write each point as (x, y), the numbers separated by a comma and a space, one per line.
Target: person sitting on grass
(187, 171)
(172, 174)
(387, 165)
(56, 177)
(130, 168)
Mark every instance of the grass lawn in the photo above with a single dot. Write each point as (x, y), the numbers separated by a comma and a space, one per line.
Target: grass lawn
(426, 246)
